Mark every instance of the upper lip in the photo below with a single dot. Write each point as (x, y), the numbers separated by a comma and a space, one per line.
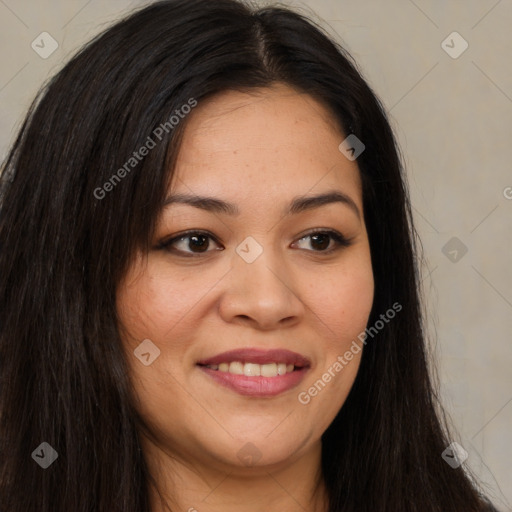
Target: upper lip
(258, 356)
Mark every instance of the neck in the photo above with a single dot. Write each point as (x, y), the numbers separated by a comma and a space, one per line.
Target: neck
(195, 486)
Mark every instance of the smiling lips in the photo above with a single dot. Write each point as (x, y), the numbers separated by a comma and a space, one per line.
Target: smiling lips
(256, 372)
(253, 369)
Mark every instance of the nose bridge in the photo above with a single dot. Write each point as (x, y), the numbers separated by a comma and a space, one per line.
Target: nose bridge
(260, 286)
(259, 268)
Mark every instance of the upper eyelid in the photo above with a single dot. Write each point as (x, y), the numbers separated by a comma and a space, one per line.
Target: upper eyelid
(329, 231)
(312, 231)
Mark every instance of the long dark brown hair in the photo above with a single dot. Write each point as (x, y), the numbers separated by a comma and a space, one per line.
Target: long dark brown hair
(64, 249)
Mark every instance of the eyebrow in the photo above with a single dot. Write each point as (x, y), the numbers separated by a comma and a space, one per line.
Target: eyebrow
(297, 205)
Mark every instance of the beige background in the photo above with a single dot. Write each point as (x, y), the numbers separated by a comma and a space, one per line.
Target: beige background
(453, 118)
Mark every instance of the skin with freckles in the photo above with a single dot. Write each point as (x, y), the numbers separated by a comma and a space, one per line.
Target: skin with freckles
(197, 297)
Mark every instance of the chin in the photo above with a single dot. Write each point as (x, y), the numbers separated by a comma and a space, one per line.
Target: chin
(259, 451)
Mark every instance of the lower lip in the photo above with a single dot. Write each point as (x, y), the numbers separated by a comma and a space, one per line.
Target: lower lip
(257, 386)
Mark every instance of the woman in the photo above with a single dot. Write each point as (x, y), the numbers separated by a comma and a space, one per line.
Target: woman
(209, 296)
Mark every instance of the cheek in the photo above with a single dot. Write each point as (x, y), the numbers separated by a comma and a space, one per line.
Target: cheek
(343, 309)
(343, 317)
(344, 304)
(154, 307)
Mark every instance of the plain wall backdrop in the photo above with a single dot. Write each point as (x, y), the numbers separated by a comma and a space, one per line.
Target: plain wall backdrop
(449, 98)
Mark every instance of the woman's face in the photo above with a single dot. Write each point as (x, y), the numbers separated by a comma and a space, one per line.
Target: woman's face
(255, 291)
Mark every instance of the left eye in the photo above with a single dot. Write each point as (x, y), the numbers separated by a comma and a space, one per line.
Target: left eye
(197, 242)
(321, 240)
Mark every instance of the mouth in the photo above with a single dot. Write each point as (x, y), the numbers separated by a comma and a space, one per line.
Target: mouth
(255, 372)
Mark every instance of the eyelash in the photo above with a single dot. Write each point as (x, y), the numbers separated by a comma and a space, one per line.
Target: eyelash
(339, 239)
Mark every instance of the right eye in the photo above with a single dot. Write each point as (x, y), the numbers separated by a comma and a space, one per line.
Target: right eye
(188, 244)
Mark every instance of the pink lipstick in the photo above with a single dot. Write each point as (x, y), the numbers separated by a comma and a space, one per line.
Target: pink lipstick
(257, 372)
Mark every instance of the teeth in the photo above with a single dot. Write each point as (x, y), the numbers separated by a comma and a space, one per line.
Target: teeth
(236, 367)
(252, 369)
(269, 370)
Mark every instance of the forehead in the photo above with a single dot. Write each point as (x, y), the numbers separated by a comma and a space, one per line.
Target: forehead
(269, 141)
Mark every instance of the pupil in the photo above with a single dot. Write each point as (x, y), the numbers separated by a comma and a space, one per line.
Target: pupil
(200, 242)
(325, 238)
(197, 244)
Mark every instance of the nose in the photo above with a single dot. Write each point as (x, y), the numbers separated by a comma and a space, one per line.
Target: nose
(263, 294)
